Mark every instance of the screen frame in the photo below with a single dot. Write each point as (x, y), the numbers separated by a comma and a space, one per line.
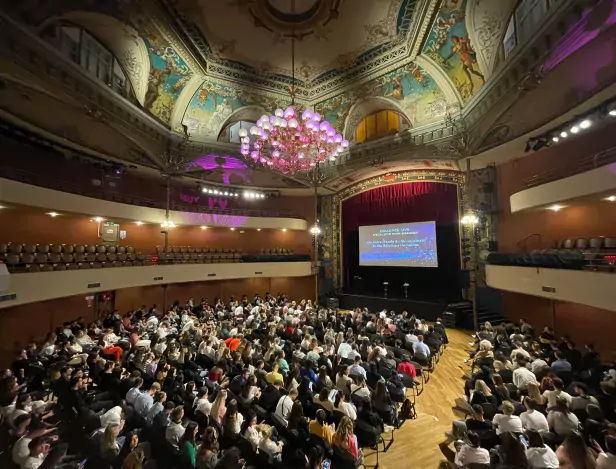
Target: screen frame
(434, 226)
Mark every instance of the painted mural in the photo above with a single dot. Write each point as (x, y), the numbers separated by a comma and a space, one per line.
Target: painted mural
(450, 47)
(213, 104)
(168, 76)
(409, 87)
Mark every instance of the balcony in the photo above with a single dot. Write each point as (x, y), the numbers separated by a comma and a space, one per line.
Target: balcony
(575, 179)
(67, 283)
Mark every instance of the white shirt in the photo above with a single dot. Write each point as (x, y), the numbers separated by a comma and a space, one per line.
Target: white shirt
(523, 376)
(411, 338)
(563, 424)
(359, 391)
(204, 406)
(347, 409)
(606, 461)
(469, 455)
(542, 458)
(33, 462)
(533, 420)
(254, 436)
(517, 351)
(284, 406)
(21, 451)
(143, 404)
(344, 349)
(508, 423)
(551, 397)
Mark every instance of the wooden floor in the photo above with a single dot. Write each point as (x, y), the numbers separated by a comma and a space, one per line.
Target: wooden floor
(416, 444)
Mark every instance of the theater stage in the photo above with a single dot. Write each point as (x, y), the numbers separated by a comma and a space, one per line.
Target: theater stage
(423, 309)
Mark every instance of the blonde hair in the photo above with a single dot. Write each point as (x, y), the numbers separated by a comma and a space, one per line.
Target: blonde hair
(343, 432)
(109, 438)
(220, 400)
(534, 391)
(134, 459)
(508, 408)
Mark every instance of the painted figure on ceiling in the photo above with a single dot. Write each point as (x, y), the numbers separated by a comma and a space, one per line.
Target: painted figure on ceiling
(397, 91)
(468, 58)
(157, 78)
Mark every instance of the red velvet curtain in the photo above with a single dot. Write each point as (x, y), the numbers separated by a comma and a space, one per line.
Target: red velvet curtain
(403, 203)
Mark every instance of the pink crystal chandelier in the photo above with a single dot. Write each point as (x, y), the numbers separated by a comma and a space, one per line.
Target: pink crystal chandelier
(288, 142)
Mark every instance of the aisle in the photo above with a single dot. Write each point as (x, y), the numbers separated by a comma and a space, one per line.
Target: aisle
(416, 444)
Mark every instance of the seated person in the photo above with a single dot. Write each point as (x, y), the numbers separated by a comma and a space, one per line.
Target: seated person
(507, 422)
(472, 452)
(319, 426)
(345, 438)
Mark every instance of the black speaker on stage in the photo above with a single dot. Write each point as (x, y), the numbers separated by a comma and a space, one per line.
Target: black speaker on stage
(333, 303)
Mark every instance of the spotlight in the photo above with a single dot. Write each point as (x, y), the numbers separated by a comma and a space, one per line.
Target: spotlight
(556, 208)
(138, 223)
(98, 219)
(232, 229)
(258, 229)
(575, 129)
(611, 198)
(204, 190)
(245, 195)
(226, 193)
(564, 134)
(263, 196)
(613, 113)
(53, 214)
(204, 227)
(586, 123)
(209, 191)
(555, 139)
(284, 229)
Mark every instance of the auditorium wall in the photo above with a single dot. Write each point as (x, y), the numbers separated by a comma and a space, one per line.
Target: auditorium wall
(27, 225)
(32, 322)
(578, 220)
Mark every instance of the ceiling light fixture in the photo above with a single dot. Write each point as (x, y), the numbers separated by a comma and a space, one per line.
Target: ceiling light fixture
(232, 229)
(555, 139)
(611, 198)
(556, 208)
(258, 229)
(284, 229)
(98, 219)
(613, 113)
(53, 214)
(585, 124)
(138, 223)
(287, 142)
(575, 129)
(167, 225)
(204, 227)
(564, 134)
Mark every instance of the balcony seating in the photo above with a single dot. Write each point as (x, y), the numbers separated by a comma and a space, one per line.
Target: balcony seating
(198, 255)
(59, 257)
(602, 243)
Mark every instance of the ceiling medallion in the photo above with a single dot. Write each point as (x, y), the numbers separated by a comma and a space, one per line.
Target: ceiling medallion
(308, 17)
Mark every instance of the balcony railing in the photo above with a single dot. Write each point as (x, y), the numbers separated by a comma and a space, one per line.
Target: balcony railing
(572, 168)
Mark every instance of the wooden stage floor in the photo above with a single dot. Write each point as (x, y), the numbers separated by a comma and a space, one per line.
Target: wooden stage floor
(416, 443)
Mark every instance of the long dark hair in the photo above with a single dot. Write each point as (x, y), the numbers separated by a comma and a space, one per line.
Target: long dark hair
(321, 416)
(189, 434)
(297, 413)
(250, 415)
(513, 451)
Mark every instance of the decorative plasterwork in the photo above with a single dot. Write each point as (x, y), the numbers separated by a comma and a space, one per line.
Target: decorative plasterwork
(487, 22)
(414, 21)
(449, 177)
(179, 109)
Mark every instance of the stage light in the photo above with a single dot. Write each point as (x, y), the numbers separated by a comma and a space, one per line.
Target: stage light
(138, 223)
(611, 198)
(585, 124)
(53, 214)
(226, 193)
(564, 134)
(204, 227)
(556, 207)
(555, 139)
(232, 229)
(575, 129)
(469, 219)
(204, 190)
(613, 113)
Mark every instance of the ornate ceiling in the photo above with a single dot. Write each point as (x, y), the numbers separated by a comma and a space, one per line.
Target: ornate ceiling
(197, 66)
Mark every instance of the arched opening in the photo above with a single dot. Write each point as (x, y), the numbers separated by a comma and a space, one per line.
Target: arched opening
(85, 50)
(378, 125)
(230, 133)
(526, 19)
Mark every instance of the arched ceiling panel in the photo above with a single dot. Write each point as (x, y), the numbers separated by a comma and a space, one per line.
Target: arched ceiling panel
(451, 48)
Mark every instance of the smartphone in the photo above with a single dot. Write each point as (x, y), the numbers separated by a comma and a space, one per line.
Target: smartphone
(524, 441)
(327, 464)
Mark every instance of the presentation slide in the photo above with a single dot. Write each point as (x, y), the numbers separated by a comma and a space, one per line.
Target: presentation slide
(400, 245)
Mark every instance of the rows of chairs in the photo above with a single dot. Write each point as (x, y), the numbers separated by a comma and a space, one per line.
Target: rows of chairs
(595, 244)
(276, 252)
(197, 250)
(198, 258)
(54, 257)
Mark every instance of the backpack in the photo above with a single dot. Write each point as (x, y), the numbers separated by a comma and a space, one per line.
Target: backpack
(407, 411)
